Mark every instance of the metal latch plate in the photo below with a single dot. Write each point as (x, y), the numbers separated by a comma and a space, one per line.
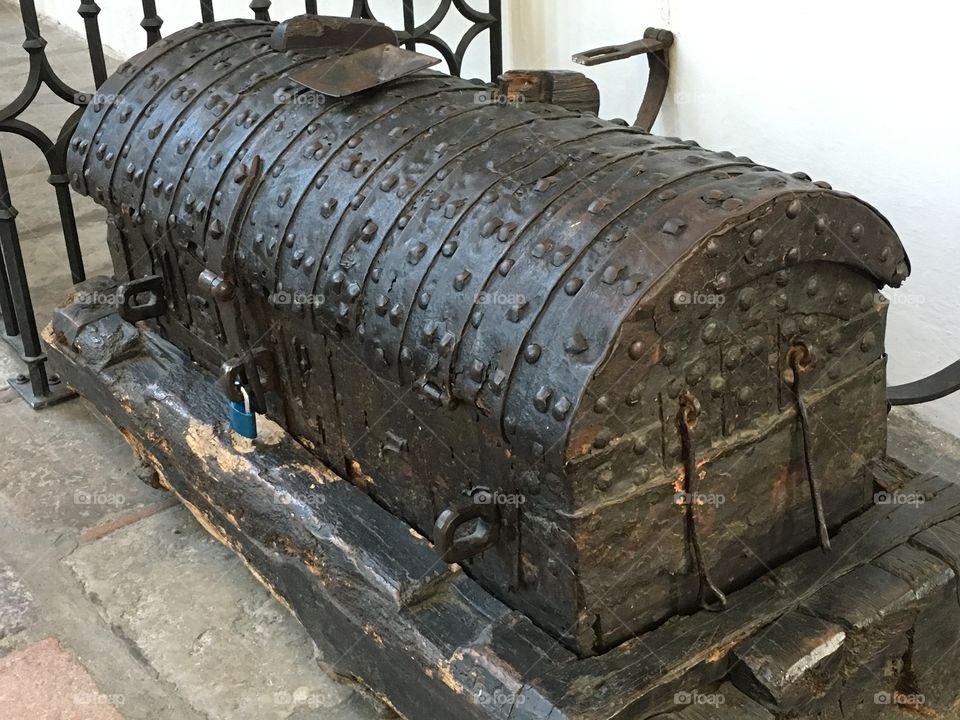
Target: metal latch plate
(344, 75)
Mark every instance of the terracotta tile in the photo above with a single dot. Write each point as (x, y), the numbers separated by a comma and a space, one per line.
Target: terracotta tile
(45, 682)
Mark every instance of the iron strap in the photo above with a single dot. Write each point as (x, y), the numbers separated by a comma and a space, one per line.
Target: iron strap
(798, 359)
(687, 416)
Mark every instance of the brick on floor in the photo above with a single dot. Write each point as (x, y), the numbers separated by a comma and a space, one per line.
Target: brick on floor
(45, 682)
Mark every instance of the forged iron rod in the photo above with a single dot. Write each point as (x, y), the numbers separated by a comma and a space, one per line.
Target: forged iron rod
(496, 40)
(10, 327)
(797, 366)
(687, 422)
(261, 9)
(409, 23)
(206, 11)
(151, 21)
(89, 10)
(15, 301)
(20, 290)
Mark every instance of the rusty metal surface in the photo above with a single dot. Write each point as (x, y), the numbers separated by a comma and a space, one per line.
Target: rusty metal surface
(17, 323)
(460, 297)
(360, 70)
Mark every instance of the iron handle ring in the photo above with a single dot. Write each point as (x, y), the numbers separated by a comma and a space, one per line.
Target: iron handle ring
(453, 549)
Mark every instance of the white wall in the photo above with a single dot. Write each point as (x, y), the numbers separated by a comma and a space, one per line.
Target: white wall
(862, 93)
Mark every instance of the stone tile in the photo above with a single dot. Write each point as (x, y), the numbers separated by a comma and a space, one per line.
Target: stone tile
(922, 446)
(45, 682)
(9, 365)
(65, 466)
(16, 605)
(194, 612)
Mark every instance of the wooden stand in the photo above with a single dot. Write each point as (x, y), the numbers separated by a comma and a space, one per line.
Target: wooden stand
(867, 631)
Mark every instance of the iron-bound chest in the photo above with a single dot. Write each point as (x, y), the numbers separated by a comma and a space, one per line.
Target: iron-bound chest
(613, 374)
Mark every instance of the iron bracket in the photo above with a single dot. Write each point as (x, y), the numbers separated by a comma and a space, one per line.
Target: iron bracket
(453, 549)
(57, 391)
(237, 371)
(367, 53)
(131, 308)
(654, 44)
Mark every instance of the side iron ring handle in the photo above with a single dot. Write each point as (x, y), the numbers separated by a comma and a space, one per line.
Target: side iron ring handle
(932, 387)
(453, 549)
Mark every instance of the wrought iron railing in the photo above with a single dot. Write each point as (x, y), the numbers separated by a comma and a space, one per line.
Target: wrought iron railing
(18, 326)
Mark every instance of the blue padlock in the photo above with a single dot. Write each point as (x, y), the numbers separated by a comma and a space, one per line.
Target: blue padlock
(243, 420)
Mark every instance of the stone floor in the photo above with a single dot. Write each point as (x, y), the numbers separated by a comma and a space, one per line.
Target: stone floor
(113, 601)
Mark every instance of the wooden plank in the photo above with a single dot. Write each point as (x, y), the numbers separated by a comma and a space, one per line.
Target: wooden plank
(878, 612)
(942, 541)
(566, 88)
(922, 571)
(862, 598)
(935, 641)
(792, 663)
(732, 705)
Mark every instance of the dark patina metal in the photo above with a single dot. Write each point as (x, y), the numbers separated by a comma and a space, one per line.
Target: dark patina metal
(655, 44)
(442, 292)
(19, 327)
